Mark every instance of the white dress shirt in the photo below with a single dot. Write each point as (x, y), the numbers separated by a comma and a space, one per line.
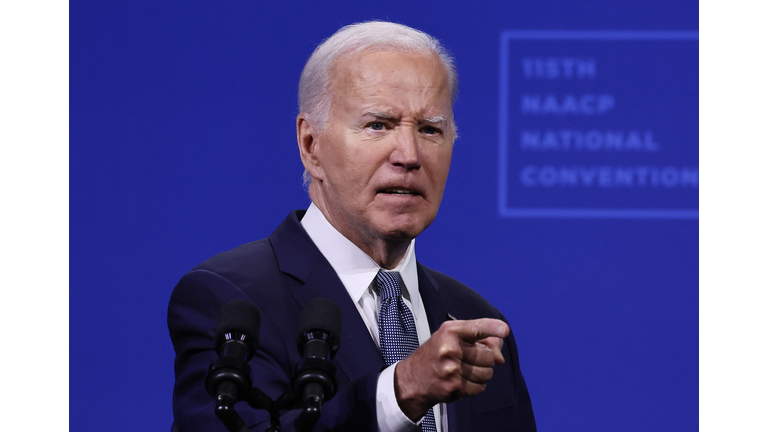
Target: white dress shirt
(357, 272)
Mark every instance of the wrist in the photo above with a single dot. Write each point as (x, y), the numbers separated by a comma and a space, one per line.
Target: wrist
(413, 404)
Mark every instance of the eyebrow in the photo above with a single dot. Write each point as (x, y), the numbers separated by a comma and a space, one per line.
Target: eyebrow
(435, 119)
(387, 116)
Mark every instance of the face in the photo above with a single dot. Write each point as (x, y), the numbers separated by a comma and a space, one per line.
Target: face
(381, 161)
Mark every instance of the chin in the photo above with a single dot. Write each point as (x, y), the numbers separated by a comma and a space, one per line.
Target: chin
(406, 230)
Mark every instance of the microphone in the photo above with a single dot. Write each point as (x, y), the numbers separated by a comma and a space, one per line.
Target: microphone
(229, 376)
(318, 341)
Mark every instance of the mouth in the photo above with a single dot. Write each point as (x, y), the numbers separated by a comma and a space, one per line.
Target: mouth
(399, 191)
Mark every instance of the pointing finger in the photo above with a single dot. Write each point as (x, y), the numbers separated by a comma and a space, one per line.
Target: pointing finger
(494, 344)
(474, 330)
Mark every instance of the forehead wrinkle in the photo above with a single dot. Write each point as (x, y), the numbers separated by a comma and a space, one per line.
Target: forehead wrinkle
(353, 82)
(379, 114)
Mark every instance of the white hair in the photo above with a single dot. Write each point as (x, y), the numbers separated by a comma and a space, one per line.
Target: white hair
(315, 81)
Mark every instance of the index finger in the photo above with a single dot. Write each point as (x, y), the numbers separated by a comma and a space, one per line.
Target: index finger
(472, 331)
(495, 345)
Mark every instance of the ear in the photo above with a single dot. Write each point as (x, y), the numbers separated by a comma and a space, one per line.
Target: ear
(307, 138)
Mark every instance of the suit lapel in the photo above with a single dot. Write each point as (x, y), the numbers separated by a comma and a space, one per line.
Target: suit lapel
(298, 256)
(358, 355)
(437, 312)
(433, 300)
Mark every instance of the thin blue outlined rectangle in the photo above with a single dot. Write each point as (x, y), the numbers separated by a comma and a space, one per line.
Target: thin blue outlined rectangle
(566, 213)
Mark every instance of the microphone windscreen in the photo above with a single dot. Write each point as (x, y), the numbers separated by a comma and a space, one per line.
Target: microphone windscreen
(239, 315)
(321, 314)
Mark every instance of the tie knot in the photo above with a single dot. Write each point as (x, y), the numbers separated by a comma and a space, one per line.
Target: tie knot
(389, 284)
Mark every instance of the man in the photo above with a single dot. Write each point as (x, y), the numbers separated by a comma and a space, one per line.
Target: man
(375, 135)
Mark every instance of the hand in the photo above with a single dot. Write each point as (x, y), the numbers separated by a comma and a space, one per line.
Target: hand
(454, 363)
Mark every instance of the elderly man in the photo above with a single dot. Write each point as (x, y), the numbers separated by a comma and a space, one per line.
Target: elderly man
(418, 349)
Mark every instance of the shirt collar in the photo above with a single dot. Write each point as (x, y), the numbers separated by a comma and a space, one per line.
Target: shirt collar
(354, 267)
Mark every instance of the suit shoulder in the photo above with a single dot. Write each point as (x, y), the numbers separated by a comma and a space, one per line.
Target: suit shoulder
(245, 262)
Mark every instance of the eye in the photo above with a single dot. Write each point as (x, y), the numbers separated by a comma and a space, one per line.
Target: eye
(431, 130)
(377, 126)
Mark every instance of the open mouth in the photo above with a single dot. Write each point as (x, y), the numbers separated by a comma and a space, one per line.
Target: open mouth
(399, 191)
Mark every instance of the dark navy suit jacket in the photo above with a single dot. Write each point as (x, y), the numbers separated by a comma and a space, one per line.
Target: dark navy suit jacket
(280, 274)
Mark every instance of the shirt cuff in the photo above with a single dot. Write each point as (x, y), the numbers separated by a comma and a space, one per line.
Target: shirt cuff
(388, 413)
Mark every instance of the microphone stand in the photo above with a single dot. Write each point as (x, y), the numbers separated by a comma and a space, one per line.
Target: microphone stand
(260, 400)
(228, 378)
(315, 379)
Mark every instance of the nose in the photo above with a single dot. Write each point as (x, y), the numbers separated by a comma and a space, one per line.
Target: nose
(406, 151)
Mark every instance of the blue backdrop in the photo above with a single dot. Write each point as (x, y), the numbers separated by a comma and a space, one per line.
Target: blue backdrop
(571, 204)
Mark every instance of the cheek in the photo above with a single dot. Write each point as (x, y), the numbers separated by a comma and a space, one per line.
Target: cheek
(440, 163)
(338, 164)
(349, 175)
(365, 160)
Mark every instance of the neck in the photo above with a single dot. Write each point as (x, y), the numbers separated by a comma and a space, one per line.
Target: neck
(387, 253)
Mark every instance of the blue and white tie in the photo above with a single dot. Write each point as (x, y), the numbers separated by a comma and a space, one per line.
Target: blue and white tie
(397, 330)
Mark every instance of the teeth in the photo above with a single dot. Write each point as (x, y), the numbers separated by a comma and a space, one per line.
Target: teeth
(399, 191)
